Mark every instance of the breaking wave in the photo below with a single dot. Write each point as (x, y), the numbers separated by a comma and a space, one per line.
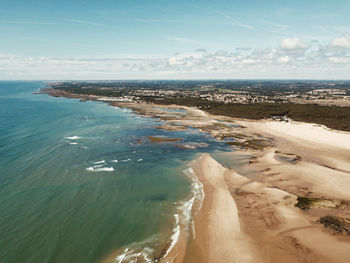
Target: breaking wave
(73, 138)
(100, 169)
(183, 222)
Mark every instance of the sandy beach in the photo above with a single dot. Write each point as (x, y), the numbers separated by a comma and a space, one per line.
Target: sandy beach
(218, 233)
(252, 217)
(250, 214)
(286, 200)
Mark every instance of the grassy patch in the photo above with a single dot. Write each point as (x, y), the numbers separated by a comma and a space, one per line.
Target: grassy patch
(305, 203)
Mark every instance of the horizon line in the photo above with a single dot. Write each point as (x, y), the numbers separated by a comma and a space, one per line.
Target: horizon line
(185, 79)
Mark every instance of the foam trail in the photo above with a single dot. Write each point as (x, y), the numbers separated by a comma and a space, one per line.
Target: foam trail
(185, 210)
(186, 207)
(96, 169)
(175, 236)
(121, 257)
(98, 162)
(131, 255)
(73, 143)
(114, 161)
(73, 138)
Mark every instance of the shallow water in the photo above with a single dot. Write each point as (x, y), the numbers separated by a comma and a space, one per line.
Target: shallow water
(75, 185)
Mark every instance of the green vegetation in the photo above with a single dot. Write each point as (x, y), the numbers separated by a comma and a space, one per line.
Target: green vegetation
(331, 116)
(105, 92)
(264, 87)
(336, 223)
(312, 202)
(305, 202)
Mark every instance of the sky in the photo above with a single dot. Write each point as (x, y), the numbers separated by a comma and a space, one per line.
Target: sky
(174, 39)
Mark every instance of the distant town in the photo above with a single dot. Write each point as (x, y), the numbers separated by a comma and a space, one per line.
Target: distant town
(227, 92)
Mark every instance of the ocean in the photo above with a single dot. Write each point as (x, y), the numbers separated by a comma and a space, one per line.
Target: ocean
(76, 185)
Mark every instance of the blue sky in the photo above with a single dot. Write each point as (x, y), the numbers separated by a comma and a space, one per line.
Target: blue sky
(174, 39)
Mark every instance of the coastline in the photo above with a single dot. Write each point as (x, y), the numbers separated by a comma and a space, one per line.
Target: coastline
(249, 214)
(219, 237)
(272, 228)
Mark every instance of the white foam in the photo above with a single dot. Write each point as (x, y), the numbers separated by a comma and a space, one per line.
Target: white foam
(98, 162)
(197, 189)
(140, 160)
(185, 210)
(73, 143)
(121, 257)
(114, 161)
(175, 236)
(126, 160)
(182, 218)
(84, 147)
(130, 255)
(197, 195)
(73, 138)
(97, 169)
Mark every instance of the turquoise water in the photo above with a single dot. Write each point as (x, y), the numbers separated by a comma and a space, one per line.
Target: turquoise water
(75, 185)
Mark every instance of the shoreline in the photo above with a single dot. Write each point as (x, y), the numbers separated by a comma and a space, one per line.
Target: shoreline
(266, 193)
(219, 237)
(249, 214)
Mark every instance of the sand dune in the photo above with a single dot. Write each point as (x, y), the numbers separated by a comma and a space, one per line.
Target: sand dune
(219, 237)
(243, 220)
(251, 217)
(303, 132)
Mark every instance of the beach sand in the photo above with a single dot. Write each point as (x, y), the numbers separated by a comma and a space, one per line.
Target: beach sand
(252, 217)
(218, 235)
(249, 213)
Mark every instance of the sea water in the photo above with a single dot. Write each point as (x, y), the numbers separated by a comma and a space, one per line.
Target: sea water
(76, 184)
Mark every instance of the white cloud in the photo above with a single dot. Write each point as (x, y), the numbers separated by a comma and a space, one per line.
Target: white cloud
(320, 61)
(175, 61)
(267, 54)
(339, 60)
(342, 42)
(283, 60)
(293, 45)
(248, 61)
